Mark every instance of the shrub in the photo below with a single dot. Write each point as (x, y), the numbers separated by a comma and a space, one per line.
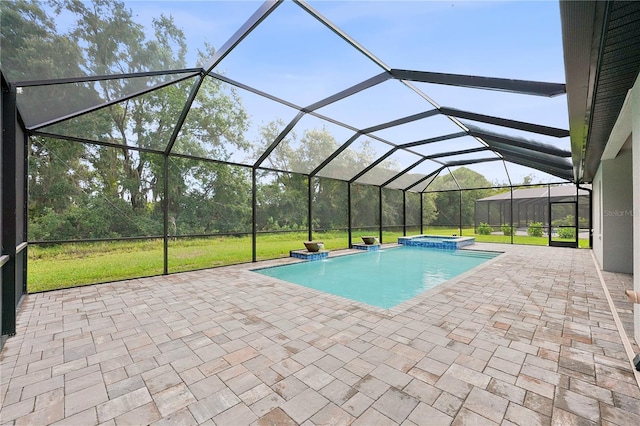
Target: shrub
(507, 229)
(484, 229)
(568, 233)
(569, 220)
(535, 229)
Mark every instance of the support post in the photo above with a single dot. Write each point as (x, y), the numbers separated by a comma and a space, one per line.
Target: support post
(9, 211)
(576, 215)
(404, 213)
(309, 207)
(513, 231)
(460, 212)
(549, 212)
(165, 238)
(421, 213)
(380, 211)
(349, 213)
(590, 218)
(254, 214)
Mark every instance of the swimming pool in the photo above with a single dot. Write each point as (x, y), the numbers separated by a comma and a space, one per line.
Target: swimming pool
(383, 278)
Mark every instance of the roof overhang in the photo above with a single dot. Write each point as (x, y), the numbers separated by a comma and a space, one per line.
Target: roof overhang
(601, 42)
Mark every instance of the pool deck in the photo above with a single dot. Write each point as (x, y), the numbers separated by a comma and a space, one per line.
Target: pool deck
(526, 338)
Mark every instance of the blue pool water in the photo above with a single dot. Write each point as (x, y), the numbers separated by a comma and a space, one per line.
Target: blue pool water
(382, 278)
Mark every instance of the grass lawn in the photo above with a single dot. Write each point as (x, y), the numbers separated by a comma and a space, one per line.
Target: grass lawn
(87, 263)
(69, 265)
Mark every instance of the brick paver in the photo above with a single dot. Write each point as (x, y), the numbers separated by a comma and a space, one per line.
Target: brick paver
(527, 338)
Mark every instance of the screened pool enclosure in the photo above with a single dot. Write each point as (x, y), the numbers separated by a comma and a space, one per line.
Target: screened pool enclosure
(149, 145)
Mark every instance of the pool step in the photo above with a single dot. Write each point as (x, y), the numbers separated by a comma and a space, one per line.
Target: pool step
(476, 253)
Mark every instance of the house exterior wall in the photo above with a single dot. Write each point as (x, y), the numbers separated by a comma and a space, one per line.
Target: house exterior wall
(635, 144)
(617, 214)
(616, 206)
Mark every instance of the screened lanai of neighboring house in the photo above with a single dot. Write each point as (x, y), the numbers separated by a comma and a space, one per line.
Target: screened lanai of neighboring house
(528, 205)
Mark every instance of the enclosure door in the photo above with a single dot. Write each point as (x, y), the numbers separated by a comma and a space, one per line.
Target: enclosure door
(563, 231)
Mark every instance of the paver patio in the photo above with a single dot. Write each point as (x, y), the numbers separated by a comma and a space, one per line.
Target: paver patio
(526, 339)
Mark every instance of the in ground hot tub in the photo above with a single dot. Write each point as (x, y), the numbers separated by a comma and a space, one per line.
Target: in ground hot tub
(437, 241)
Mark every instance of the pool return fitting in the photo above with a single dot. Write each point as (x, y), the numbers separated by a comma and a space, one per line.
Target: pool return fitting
(633, 296)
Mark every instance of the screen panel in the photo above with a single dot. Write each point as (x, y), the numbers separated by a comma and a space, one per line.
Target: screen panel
(228, 123)
(380, 104)
(305, 61)
(84, 191)
(310, 142)
(388, 168)
(146, 121)
(358, 156)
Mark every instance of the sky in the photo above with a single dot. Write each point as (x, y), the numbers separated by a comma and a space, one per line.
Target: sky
(293, 56)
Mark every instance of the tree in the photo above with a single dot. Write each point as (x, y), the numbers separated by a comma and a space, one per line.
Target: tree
(116, 44)
(365, 202)
(449, 205)
(392, 207)
(208, 197)
(330, 204)
(329, 197)
(30, 46)
(125, 185)
(282, 197)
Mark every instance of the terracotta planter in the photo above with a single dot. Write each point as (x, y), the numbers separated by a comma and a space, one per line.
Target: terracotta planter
(369, 240)
(313, 246)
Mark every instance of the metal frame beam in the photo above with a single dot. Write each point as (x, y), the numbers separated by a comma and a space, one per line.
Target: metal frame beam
(525, 87)
(366, 84)
(552, 169)
(253, 90)
(400, 121)
(504, 122)
(465, 162)
(183, 114)
(460, 152)
(506, 140)
(543, 159)
(282, 101)
(434, 139)
(89, 78)
(93, 142)
(107, 104)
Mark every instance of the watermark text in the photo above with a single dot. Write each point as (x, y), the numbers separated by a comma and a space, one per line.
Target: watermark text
(621, 213)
